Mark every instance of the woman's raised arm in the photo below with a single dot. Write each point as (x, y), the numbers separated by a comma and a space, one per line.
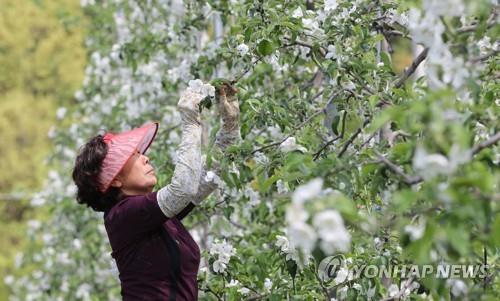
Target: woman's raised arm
(228, 134)
(183, 188)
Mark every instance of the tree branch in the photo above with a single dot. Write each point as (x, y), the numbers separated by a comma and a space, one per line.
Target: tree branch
(479, 147)
(411, 180)
(413, 67)
(483, 58)
(316, 155)
(399, 171)
(305, 44)
(298, 127)
(354, 136)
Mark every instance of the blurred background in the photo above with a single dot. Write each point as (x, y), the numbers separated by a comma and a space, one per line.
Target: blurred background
(42, 63)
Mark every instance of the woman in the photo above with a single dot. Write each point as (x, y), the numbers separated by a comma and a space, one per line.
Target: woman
(156, 256)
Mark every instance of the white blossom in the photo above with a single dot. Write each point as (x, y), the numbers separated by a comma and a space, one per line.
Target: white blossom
(219, 266)
(287, 248)
(297, 13)
(242, 49)
(415, 231)
(430, 165)
(312, 26)
(252, 195)
(295, 213)
(458, 287)
(332, 52)
(83, 291)
(330, 227)
(213, 177)
(341, 275)
(61, 112)
(84, 3)
(261, 158)
(268, 284)
(330, 5)
(34, 224)
(307, 191)
(223, 252)
(77, 244)
(197, 86)
(303, 236)
(281, 186)
(393, 290)
(370, 293)
(290, 145)
(8, 280)
(282, 243)
(233, 283)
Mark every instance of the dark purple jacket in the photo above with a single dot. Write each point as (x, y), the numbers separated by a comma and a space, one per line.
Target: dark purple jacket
(133, 227)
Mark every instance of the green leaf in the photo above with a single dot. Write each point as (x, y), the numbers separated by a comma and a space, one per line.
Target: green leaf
(291, 267)
(265, 47)
(458, 238)
(248, 33)
(332, 117)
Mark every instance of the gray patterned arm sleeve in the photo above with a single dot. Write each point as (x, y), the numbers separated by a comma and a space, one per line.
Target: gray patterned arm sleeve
(228, 134)
(208, 179)
(183, 188)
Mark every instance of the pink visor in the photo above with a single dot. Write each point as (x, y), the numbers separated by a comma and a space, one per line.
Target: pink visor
(121, 147)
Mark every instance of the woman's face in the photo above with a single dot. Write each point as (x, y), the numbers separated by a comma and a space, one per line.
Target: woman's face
(137, 176)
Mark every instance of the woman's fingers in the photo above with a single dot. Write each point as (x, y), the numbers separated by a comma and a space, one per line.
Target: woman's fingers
(227, 90)
(188, 106)
(189, 100)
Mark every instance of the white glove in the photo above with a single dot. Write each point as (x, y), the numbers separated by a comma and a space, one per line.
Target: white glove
(188, 106)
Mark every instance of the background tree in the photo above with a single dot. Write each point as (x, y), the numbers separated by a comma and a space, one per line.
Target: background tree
(42, 61)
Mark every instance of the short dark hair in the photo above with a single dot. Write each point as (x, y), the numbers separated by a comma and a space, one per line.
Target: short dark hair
(85, 175)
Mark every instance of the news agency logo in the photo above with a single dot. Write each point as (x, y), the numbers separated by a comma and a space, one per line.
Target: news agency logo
(338, 268)
(330, 267)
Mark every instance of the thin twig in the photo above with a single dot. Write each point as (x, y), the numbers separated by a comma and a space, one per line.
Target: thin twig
(324, 289)
(252, 65)
(413, 67)
(411, 180)
(483, 58)
(398, 170)
(305, 44)
(397, 33)
(353, 137)
(479, 147)
(407, 284)
(294, 129)
(472, 28)
(208, 289)
(316, 155)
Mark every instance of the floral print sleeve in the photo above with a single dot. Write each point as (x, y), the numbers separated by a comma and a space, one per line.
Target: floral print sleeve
(228, 134)
(174, 197)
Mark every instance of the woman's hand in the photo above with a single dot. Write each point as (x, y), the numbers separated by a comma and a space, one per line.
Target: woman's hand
(228, 106)
(188, 106)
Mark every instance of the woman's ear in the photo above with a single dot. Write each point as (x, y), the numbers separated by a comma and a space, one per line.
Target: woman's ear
(116, 183)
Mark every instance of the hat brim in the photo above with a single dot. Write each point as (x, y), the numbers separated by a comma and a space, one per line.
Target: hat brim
(122, 147)
(149, 136)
